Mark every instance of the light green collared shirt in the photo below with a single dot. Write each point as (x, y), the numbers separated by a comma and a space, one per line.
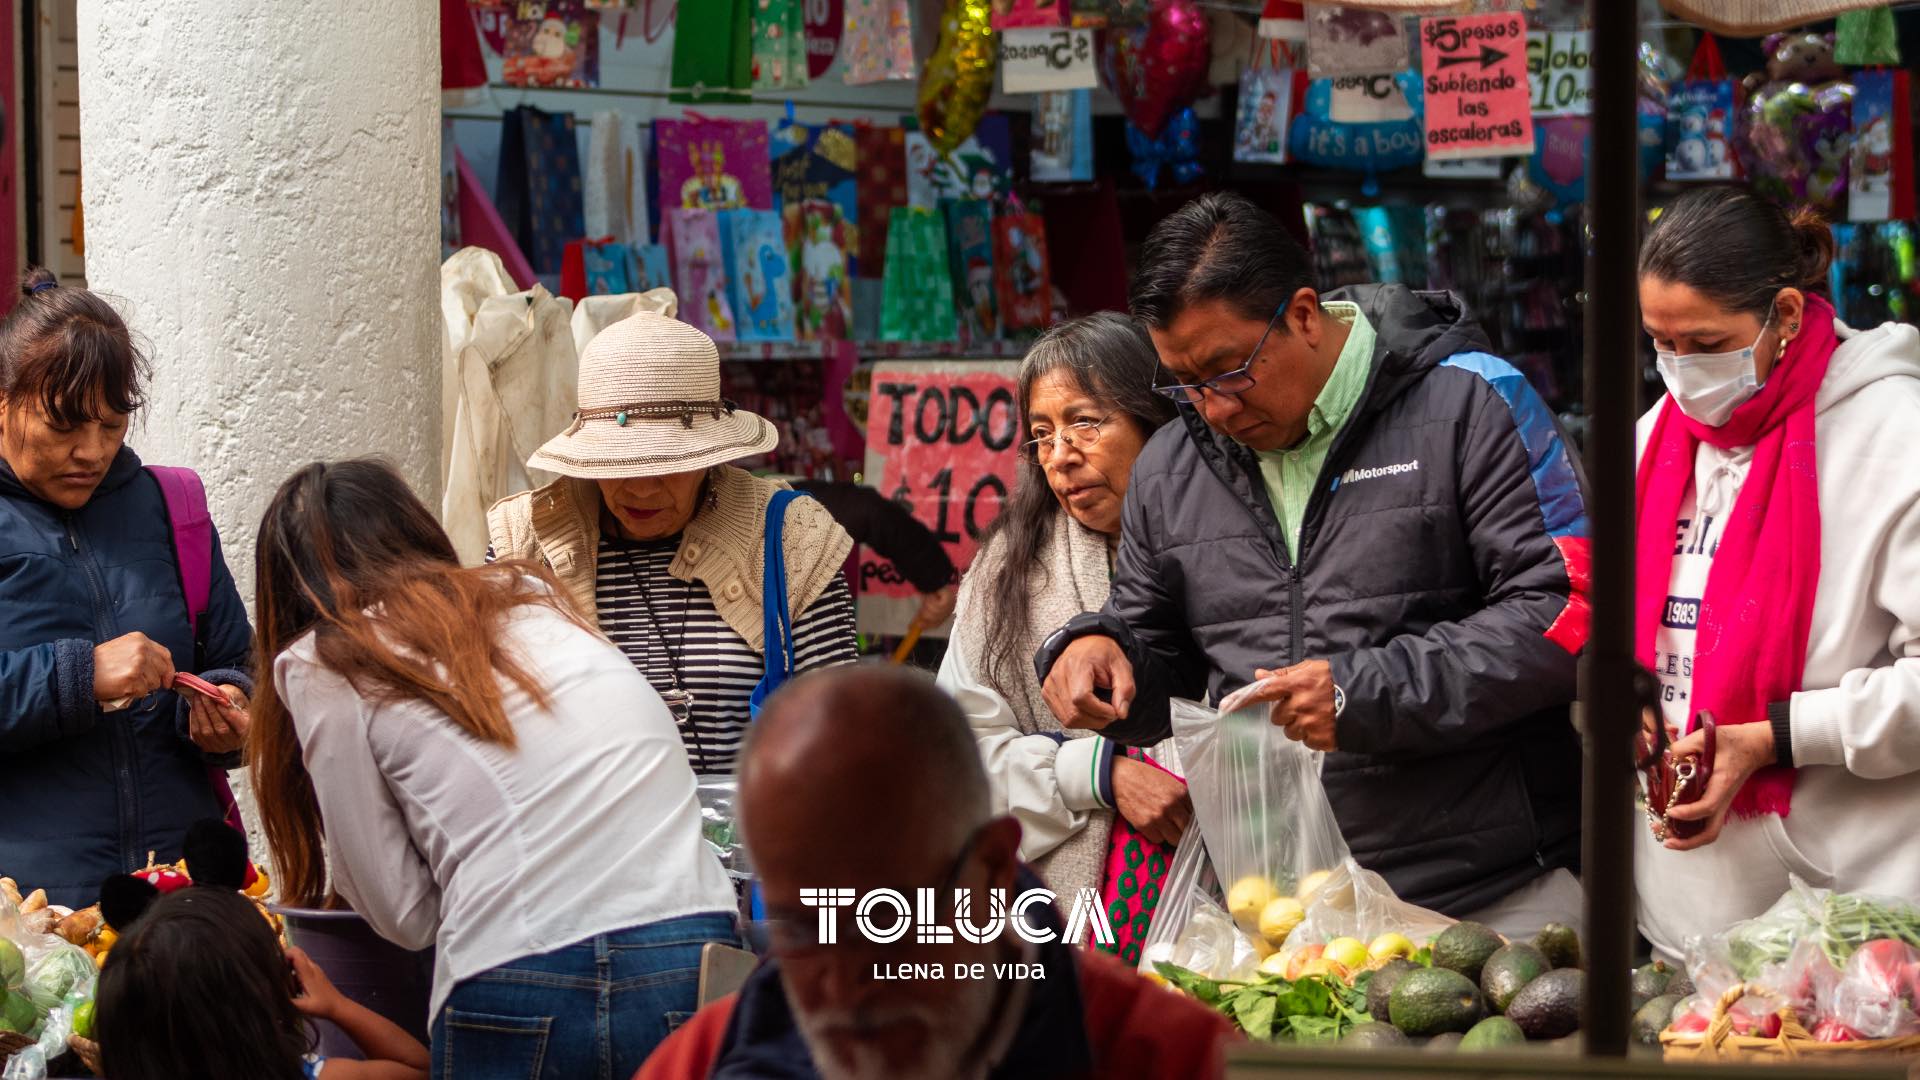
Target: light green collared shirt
(1290, 474)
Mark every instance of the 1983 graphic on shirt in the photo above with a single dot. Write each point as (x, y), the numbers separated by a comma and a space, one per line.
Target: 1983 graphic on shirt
(1681, 613)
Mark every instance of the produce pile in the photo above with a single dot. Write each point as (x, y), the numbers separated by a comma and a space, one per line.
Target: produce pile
(1845, 967)
(1467, 989)
(46, 978)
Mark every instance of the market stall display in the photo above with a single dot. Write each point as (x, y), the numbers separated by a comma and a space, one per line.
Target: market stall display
(1821, 974)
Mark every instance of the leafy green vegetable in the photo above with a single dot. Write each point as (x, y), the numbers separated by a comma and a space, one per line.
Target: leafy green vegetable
(1313, 1009)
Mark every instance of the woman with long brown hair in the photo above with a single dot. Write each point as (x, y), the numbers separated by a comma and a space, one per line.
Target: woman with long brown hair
(483, 773)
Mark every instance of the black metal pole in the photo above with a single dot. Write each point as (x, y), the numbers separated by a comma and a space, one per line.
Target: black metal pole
(1612, 344)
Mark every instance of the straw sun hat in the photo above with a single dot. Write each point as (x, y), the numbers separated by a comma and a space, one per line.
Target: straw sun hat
(650, 405)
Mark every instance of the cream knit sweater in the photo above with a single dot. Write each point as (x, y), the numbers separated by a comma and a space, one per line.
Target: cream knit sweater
(722, 547)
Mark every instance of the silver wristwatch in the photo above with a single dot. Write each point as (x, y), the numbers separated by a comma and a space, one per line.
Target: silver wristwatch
(1339, 701)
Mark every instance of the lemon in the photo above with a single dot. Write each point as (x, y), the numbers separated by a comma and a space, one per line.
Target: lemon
(1248, 897)
(1275, 965)
(1388, 946)
(1279, 917)
(1311, 885)
(1348, 952)
(1262, 948)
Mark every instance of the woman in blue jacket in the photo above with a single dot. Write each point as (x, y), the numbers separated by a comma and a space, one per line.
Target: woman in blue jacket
(101, 761)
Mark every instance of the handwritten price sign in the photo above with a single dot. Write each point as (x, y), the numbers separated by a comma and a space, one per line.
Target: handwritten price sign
(942, 440)
(1558, 61)
(1041, 61)
(1478, 100)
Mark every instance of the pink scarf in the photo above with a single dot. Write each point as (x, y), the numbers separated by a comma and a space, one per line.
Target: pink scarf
(1751, 647)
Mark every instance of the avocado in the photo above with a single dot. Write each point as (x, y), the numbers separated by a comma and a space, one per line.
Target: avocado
(1430, 1001)
(1444, 1043)
(1375, 1035)
(1652, 1018)
(1510, 968)
(1493, 1033)
(1560, 944)
(1380, 987)
(1651, 981)
(1464, 947)
(1549, 1007)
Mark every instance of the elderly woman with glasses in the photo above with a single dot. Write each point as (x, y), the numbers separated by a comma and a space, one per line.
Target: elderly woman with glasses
(1088, 407)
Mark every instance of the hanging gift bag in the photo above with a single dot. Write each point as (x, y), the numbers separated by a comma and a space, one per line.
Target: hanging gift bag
(1880, 183)
(699, 272)
(1266, 106)
(759, 281)
(539, 182)
(817, 161)
(779, 45)
(916, 299)
(824, 310)
(552, 46)
(880, 184)
(713, 52)
(970, 260)
(1062, 137)
(876, 42)
(705, 163)
(1700, 112)
(1024, 282)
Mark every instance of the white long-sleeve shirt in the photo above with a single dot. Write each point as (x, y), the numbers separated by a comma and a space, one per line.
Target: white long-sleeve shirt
(1050, 785)
(589, 825)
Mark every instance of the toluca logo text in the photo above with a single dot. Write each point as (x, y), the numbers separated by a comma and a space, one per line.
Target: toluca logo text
(884, 916)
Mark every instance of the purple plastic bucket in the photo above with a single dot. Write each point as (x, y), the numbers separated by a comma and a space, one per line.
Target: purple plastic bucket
(366, 968)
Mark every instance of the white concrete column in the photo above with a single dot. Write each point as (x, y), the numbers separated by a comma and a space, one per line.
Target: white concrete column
(262, 192)
(262, 195)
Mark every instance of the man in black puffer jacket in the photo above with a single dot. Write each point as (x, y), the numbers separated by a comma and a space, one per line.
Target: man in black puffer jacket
(1368, 506)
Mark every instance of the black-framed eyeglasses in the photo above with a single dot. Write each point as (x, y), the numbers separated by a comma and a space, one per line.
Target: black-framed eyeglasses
(799, 933)
(1083, 435)
(1238, 381)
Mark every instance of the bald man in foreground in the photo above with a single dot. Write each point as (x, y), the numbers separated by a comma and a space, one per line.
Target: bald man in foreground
(867, 778)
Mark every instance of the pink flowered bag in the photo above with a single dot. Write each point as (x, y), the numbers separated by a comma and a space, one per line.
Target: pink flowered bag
(877, 41)
(1135, 876)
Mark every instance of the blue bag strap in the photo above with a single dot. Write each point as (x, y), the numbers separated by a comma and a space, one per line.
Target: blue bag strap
(773, 602)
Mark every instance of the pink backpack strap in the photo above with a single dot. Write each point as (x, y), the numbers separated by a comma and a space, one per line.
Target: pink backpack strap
(186, 499)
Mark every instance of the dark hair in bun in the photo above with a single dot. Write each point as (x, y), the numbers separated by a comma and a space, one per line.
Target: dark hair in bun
(1738, 249)
(69, 351)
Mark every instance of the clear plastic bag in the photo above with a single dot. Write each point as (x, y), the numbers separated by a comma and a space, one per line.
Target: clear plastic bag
(1189, 882)
(1270, 832)
(1875, 994)
(1357, 903)
(720, 822)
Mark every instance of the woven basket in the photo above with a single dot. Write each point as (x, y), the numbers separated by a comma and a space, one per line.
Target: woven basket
(1719, 1043)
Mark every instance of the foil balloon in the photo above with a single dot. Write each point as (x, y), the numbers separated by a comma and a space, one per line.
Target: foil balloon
(1157, 69)
(958, 79)
(1176, 148)
(1796, 134)
(1374, 147)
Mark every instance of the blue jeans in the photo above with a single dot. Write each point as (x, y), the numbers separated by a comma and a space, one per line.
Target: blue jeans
(591, 1011)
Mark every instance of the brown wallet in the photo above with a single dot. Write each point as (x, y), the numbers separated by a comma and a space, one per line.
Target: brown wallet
(1677, 781)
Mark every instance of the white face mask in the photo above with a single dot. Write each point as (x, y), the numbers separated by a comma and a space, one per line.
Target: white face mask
(1709, 386)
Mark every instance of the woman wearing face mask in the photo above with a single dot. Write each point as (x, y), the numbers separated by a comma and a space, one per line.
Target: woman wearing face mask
(664, 545)
(1088, 406)
(1779, 544)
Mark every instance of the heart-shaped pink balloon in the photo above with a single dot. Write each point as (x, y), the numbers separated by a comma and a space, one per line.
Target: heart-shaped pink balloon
(1158, 69)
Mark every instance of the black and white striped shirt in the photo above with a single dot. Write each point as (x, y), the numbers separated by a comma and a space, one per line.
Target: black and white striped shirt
(715, 664)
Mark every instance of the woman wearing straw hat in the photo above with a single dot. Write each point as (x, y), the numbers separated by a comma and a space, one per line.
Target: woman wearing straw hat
(665, 545)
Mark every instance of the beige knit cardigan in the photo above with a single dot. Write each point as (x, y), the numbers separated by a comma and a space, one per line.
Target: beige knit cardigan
(722, 547)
